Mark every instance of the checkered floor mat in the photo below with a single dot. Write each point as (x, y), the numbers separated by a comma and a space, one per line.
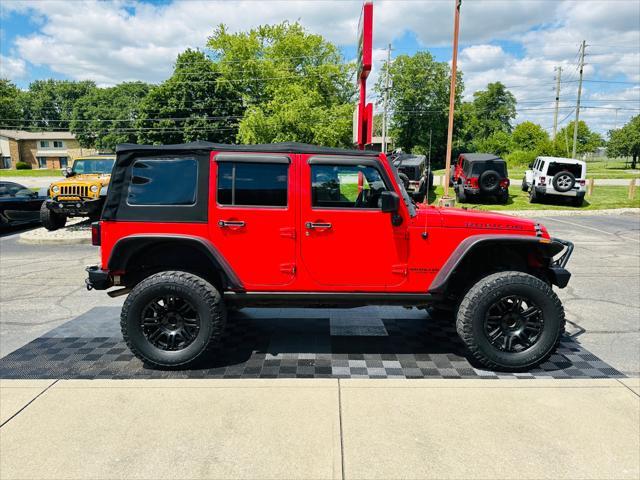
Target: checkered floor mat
(371, 342)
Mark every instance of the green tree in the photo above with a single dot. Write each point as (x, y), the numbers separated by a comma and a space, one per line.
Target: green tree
(195, 103)
(625, 141)
(295, 85)
(419, 102)
(494, 109)
(587, 142)
(498, 143)
(528, 136)
(10, 111)
(106, 116)
(48, 104)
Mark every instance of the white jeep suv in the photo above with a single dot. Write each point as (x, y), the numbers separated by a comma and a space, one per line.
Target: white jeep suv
(564, 177)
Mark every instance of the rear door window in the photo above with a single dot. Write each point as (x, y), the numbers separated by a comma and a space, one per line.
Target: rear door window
(557, 167)
(166, 181)
(257, 184)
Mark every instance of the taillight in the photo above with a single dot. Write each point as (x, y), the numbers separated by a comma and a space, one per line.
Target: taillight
(473, 182)
(504, 183)
(582, 183)
(543, 180)
(95, 234)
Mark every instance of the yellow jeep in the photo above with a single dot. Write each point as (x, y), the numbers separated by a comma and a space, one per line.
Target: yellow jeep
(80, 194)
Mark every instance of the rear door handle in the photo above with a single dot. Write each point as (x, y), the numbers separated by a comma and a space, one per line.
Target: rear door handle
(312, 225)
(231, 223)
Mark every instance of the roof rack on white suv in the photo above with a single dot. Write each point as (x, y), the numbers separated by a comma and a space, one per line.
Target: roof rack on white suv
(556, 176)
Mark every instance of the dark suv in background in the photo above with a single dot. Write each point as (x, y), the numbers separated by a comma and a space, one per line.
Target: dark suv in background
(415, 174)
(477, 175)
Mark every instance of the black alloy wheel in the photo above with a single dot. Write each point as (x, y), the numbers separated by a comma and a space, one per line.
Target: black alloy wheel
(513, 323)
(170, 322)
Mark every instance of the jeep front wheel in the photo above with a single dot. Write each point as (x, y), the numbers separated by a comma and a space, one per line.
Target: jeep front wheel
(50, 219)
(171, 318)
(510, 321)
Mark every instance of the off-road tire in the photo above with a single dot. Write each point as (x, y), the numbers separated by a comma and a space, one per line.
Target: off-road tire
(489, 181)
(461, 196)
(525, 185)
(405, 180)
(577, 201)
(503, 198)
(50, 219)
(201, 294)
(476, 302)
(569, 182)
(534, 197)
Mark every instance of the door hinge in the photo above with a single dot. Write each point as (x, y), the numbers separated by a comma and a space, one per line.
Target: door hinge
(288, 268)
(399, 269)
(288, 232)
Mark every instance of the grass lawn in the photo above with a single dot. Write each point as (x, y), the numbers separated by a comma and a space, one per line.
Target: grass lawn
(602, 198)
(598, 168)
(44, 172)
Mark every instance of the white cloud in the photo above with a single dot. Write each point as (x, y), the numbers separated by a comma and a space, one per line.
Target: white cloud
(120, 40)
(12, 68)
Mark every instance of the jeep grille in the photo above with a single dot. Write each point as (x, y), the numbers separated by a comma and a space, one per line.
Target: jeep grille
(74, 190)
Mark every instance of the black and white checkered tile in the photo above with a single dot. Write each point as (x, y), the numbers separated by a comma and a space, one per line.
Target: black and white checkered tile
(372, 342)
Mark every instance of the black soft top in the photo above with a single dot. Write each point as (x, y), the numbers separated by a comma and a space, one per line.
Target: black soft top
(282, 147)
(408, 160)
(481, 157)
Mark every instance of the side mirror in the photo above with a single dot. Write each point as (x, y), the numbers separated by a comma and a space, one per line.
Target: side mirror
(531, 165)
(67, 172)
(389, 202)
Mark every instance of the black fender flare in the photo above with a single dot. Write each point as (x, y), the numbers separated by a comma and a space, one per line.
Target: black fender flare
(128, 247)
(548, 247)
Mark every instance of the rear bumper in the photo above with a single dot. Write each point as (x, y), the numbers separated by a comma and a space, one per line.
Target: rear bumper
(97, 279)
(79, 208)
(543, 190)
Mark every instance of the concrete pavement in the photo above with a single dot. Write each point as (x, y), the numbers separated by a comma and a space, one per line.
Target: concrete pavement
(354, 429)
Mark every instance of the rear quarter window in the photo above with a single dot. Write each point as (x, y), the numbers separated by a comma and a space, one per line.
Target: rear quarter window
(167, 181)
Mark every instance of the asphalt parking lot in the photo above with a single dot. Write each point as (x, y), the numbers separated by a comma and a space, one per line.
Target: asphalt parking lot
(42, 287)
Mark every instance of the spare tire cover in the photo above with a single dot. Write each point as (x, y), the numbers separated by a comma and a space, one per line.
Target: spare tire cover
(489, 181)
(563, 181)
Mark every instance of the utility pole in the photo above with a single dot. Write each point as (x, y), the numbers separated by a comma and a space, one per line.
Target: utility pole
(446, 200)
(386, 100)
(575, 125)
(555, 115)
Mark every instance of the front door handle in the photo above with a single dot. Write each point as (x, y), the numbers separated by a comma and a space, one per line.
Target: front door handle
(231, 223)
(312, 225)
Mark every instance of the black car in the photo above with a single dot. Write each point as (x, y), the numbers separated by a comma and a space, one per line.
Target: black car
(19, 205)
(414, 173)
(478, 175)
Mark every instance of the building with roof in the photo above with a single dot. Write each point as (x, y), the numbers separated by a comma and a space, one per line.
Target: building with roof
(40, 149)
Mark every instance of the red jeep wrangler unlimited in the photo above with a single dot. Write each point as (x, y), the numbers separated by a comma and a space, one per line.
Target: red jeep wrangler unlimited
(190, 230)
(480, 175)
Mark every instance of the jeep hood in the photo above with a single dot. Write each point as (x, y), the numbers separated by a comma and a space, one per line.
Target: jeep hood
(461, 218)
(102, 179)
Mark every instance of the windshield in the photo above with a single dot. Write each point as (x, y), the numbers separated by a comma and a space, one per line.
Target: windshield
(93, 166)
(405, 196)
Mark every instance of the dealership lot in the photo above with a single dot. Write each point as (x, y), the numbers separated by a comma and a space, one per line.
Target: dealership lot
(43, 288)
(55, 424)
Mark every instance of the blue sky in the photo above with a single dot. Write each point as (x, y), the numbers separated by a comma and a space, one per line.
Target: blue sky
(518, 42)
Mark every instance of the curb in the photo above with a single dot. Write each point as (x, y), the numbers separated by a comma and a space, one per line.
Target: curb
(567, 213)
(32, 238)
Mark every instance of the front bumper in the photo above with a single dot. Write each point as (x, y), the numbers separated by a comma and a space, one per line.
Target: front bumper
(76, 208)
(98, 279)
(558, 275)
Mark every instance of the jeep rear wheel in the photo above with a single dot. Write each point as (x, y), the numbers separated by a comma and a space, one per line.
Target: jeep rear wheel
(510, 321)
(171, 318)
(50, 219)
(461, 196)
